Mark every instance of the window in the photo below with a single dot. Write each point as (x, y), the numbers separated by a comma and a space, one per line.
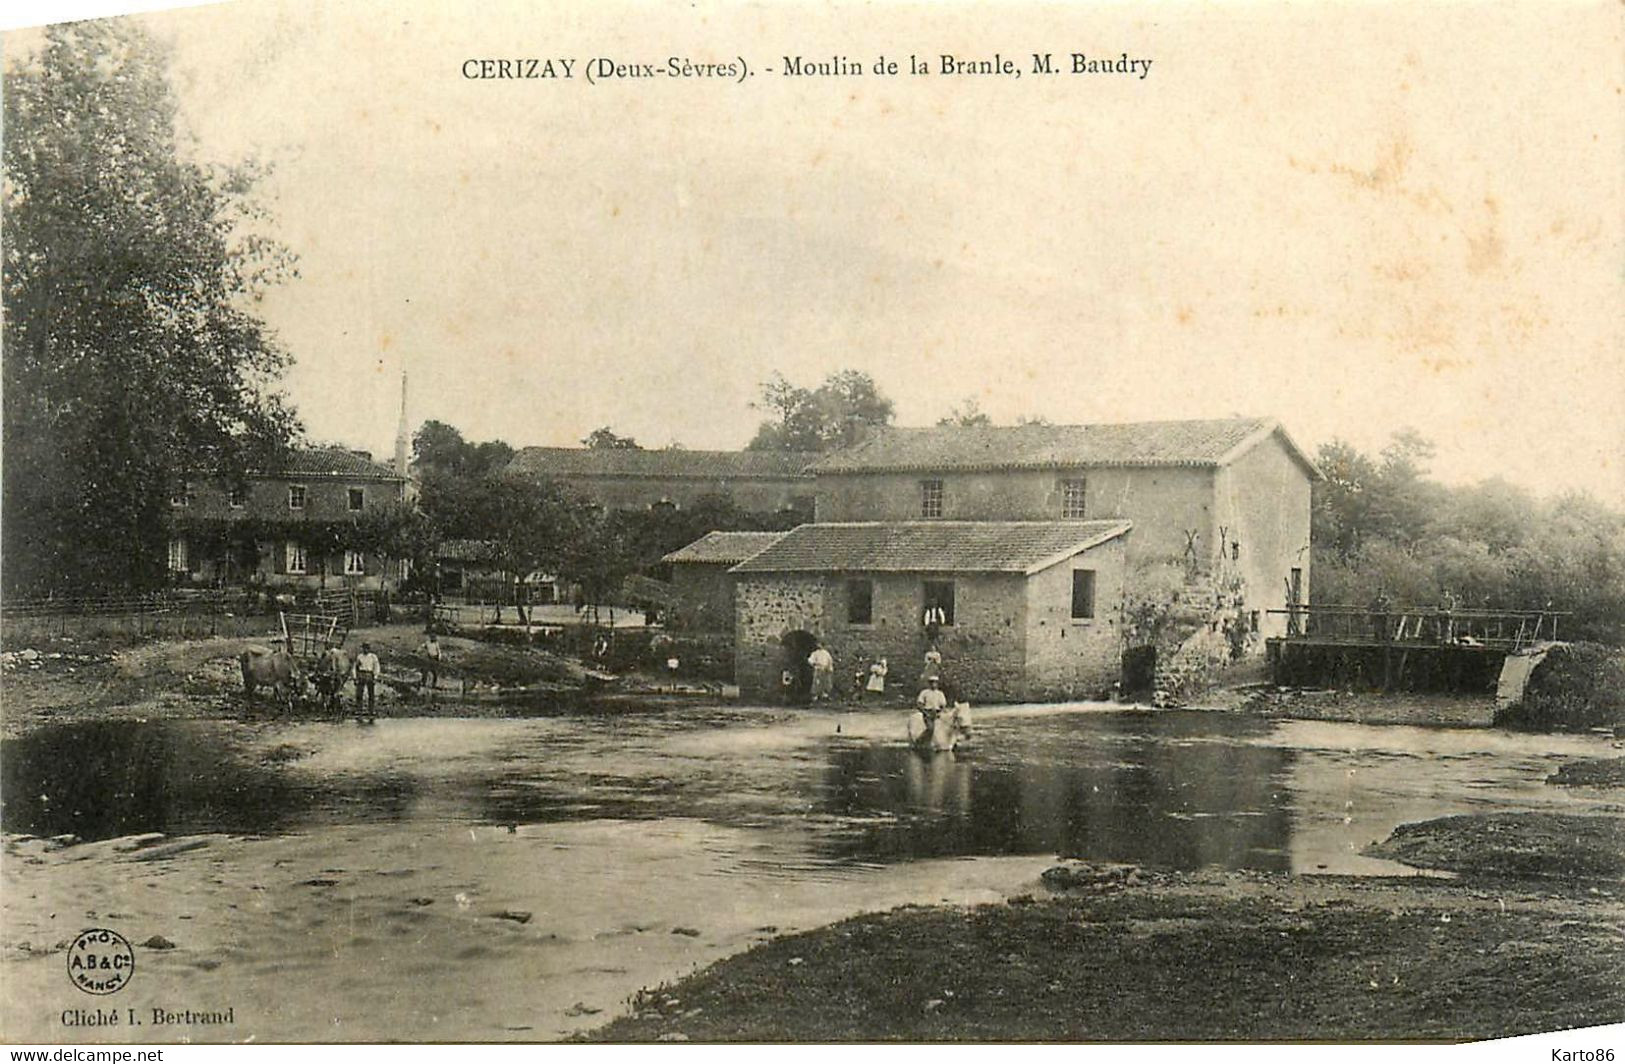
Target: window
(296, 496)
(930, 498)
(860, 602)
(237, 497)
(1072, 498)
(1083, 594)
(177, 556)
(939, 604)
(355, 563)
(358, 499)
(296, 558)
(182, 495)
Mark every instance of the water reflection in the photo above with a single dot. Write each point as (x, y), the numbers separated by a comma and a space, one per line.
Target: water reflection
(1118, 788)
(111, 778)
(1168, 789)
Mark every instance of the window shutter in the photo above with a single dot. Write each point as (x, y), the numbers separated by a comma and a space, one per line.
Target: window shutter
(279, 557)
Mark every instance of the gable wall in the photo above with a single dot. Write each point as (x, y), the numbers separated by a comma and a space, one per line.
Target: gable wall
(1263, 502)
(1073, 659)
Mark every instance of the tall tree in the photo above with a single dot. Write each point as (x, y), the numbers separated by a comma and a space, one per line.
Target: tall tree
(838, 413)
(131, 360)
(438, 447)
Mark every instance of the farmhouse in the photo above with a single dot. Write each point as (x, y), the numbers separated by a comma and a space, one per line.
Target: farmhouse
(312, 520)
(1205, 526)
(632, 478)
(702, 586)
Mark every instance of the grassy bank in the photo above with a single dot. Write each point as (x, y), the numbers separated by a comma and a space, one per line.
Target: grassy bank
(1529, 941)
(1599, 772)
(1543, 845)
(1277, 961)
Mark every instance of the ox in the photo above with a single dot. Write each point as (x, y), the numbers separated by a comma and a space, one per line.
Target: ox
(270, 667)
(950, 727)
(331, 670)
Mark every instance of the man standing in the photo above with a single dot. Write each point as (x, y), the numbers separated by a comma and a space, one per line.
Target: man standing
(367, 668)
(430, 653)
(823, 677)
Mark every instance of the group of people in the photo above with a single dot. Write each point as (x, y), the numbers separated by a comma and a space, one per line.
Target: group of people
(367, 667)
(933, 695)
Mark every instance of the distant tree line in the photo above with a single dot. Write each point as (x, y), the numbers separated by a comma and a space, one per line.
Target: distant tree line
(1381, 525)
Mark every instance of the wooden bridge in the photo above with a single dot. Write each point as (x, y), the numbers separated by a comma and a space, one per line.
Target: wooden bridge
(1395, 646)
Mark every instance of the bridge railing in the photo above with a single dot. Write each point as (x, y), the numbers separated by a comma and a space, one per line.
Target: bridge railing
(1419, 626)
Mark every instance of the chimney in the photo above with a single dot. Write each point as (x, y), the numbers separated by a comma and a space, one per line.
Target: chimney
(403, 439)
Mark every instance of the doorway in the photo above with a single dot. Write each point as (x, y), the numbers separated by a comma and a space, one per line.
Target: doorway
(797, 646)
(1139, 673)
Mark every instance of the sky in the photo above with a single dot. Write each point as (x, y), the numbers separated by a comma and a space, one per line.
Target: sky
(1354, 218)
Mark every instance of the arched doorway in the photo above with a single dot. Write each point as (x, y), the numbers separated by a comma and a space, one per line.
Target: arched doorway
(797, 646)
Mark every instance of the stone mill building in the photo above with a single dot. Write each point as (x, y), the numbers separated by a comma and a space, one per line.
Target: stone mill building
(1042, 561)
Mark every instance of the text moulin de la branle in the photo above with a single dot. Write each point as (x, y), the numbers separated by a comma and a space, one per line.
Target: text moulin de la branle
(609, 69)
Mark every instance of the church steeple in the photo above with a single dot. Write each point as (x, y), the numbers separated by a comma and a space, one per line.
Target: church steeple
(403, 437)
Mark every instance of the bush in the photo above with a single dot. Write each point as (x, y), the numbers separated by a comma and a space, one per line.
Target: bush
(1579, 686)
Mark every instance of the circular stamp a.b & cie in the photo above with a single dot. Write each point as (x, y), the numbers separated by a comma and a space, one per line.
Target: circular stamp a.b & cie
(100, 961)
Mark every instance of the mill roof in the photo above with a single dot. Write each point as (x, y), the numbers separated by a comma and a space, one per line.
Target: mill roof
(724, 548)
(988, 447)
(330, 462)
(1024, 547)
(466, 550)
(670, 463)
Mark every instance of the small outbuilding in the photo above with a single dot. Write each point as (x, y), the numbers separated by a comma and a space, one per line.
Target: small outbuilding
(1019, 610)
(702, 589)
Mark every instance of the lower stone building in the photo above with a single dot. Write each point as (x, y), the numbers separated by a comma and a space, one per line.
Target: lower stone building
(1019, 610)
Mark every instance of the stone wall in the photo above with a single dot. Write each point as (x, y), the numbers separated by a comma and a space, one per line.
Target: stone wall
(982, 651)
(1069, 658)
(703, 597)
(1208, 628)
(767, 607)
(1163, 502)
(1263, 507)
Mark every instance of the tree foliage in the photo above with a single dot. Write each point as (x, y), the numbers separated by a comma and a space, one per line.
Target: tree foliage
(968, 413)
(439, 449)
(836, 414)
(1381, 525)
(605, 439)
(131, 358)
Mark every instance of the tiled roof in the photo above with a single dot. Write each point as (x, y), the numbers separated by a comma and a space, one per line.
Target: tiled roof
(466, 550)
(930, 546)
(1148, 443)
(729, 548)
(701, 465)
(331, 462)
